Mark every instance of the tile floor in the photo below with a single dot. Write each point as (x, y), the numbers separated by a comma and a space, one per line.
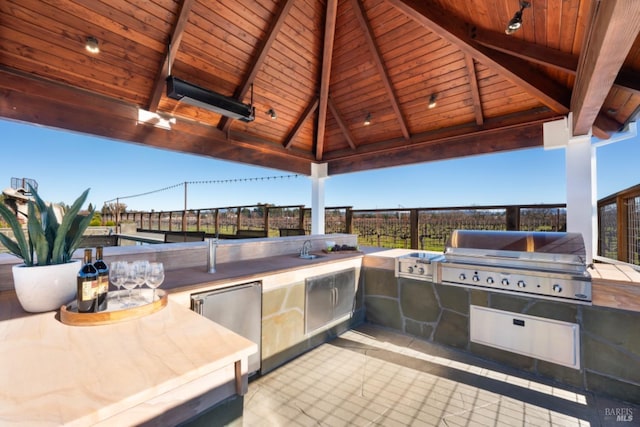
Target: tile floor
(372, 376)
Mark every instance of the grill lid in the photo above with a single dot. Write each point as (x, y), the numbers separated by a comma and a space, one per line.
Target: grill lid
(512, 246)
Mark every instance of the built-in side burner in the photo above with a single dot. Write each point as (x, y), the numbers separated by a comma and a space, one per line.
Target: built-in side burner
(417, 265)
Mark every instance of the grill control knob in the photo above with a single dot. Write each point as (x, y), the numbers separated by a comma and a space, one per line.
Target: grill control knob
(490, 280)
(475, 278)
(410, 269)
(521, 284)
(557, 288)
(462, 276)
(421, 270)
(505, 282)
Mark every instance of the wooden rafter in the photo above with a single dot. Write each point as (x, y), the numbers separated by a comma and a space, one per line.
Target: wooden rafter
(341, 123)
(311, 108)
(325, 75)
(382, 69)
(626, 79)
(261, 55)
(546, 90)
(174, 44)
(475, 92)
(615, 24)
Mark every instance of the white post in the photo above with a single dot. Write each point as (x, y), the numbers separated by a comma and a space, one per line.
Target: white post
(318, 176)
(581, 180)
(582, 202)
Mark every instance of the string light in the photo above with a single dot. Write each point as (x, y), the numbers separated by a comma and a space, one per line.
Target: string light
(214, 181)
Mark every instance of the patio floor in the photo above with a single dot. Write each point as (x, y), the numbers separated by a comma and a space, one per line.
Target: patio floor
(372, 376)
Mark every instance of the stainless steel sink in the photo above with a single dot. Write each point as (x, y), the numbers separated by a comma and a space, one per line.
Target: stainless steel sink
(309, 256)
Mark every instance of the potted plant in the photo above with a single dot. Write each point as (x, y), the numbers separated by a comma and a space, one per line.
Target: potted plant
(47, 277)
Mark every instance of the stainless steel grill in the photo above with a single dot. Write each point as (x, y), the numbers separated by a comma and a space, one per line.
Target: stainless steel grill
(548, 265)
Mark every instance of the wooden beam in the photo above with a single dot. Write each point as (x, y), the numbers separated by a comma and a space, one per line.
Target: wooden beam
(490, 141)
(311, 108)
(47, 103)
(546, 90)
(325, 75)
(360, 13)
(260, 57)
(172, 50)
(341, 123)
(627, 79)
(475, 92)
(614, 26)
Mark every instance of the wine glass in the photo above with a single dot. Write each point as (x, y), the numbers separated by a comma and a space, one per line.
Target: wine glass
(117, 275)
(155, 277)
(129, 283)
(139, 273)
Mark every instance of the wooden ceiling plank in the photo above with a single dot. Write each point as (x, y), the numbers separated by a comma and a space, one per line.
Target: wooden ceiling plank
(343, 126)
(615, 24)
(261, 55)
(325, 75)
(626, 79)
(546, 90)
(311, 108)
(172, 50)
(475, 92)
(360, 14)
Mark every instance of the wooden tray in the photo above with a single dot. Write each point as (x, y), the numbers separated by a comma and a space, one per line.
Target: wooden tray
(117, 311)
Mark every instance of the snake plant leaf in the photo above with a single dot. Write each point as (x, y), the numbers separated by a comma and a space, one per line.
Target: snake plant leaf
(60, 250)
(50, 223)
(12, 246)
(37, 237)
(74, 239)
(40, 204)
(20, 247)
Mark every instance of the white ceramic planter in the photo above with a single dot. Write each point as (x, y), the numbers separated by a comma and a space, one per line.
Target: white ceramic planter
(46, 287)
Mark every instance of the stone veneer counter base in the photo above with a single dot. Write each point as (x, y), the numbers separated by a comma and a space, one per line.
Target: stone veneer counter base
(610, 342)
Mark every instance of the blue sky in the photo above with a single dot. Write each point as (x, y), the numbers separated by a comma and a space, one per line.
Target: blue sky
(64, 164)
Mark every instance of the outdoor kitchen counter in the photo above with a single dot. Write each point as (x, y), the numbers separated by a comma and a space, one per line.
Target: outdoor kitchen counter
(119, 374)
(186, 280)
(612, 285)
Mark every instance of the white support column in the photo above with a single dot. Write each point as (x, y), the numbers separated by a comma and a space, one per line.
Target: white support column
(582, 202)
(318, 176)
(581, 180)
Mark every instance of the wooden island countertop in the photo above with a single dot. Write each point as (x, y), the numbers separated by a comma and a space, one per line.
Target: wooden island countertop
(126, 373)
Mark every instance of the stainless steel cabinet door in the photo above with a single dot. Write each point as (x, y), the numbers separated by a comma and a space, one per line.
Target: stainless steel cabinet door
(328, 297)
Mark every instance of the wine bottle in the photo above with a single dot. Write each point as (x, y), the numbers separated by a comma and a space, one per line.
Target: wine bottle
(87, 285)
(103, 279)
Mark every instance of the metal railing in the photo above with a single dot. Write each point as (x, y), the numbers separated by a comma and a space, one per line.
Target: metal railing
(417, 228)
(619, 226)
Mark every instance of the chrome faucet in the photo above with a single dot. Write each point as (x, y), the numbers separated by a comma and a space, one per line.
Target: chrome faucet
(306, 248)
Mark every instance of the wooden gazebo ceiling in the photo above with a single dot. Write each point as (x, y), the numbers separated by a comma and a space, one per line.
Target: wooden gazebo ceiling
(323, 66)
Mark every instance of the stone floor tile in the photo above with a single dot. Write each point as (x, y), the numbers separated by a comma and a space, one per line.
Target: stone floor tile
(376, 377)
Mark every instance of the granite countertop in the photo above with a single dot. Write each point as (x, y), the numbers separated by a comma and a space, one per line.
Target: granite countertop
(55, 374)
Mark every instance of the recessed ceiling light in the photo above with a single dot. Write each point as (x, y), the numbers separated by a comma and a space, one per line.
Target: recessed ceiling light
(367, 120)
(92, 45)
(272, 113)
